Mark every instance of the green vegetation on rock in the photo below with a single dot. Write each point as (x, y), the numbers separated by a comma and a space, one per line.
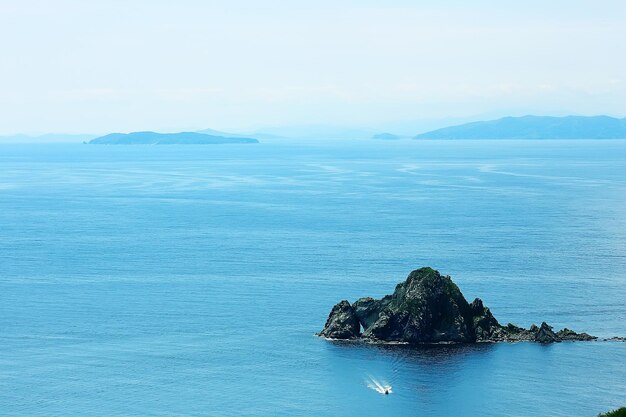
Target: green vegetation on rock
(620, 412)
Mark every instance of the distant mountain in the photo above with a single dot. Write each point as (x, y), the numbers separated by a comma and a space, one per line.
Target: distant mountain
(47, 138)
(535, 127)
(255, 135)
(153, 138)
(313, 132)
(214, 132)
(386, 136)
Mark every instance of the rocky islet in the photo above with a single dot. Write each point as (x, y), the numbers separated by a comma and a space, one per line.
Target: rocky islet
(429, 308)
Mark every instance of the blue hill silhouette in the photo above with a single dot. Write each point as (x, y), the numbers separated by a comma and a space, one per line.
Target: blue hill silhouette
(535, 127)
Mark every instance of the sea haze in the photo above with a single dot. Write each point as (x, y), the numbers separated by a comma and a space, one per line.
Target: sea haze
(190, 280)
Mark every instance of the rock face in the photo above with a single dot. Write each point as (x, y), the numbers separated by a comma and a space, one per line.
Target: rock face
(342, 322)
(430, 308)
(546, 335)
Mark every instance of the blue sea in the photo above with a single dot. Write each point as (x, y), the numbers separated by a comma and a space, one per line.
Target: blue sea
(190, 280)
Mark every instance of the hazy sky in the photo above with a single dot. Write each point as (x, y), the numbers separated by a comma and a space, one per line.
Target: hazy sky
(99, 66)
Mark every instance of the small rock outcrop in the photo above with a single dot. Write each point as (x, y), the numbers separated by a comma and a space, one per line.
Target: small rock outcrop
(567, 334)
(429, 308)
(546, 335)
(616, 339)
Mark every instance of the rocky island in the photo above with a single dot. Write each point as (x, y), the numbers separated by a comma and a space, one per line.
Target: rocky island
(429, 308)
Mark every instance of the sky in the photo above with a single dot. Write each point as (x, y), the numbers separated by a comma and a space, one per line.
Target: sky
(78, 66)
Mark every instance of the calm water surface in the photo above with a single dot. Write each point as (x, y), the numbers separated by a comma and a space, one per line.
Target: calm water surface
(189, 280)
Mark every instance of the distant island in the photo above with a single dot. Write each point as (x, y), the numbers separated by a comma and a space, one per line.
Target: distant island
(525, 127)
(255, 135)
(429, 308)
(153, 138)
(386, 136)
(535, 127)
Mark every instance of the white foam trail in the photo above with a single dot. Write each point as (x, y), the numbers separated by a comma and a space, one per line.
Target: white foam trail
(382, 387)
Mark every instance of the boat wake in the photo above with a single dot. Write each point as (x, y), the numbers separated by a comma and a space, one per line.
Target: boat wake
(382, 386)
